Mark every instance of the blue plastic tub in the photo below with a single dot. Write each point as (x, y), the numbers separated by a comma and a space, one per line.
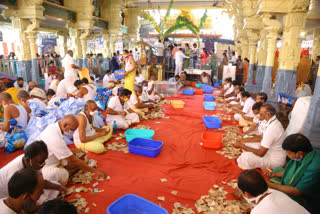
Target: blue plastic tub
(133, 204)
(204, 86)
(212, 122)
(216, 84)
(211, 106)
(119, 76)
(208, 97)
(220, 81)
(188, 92)
(199, 85)
(138, 133)
(145, 147)
(208, 90)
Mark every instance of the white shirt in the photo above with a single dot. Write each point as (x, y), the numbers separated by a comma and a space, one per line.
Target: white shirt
(69, 72)
(107, 79)
(139, 79)
(57, 147)
(136, 55)
(278, 203)
(4, 209)
(273, 137)
(116, 105)
(247, 107)
(179, 57)
(90, 131)
(25, 86)
(53, 85)
(62, 89)
(150, 84)
(233, 59)
(144, 96)
(6, 172)
(133, 101)
(159, 49)
(229, 90)
(91, 92)
(194, 52)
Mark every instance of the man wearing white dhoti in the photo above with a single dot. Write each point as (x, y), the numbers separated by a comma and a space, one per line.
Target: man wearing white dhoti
(70, 72)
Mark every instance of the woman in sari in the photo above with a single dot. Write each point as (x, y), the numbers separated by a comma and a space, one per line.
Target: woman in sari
(300, 179)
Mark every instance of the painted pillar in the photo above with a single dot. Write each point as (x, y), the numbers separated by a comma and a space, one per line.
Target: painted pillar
(244, 46)
(76, 45)
(35, 72)
(63, 38)
(312, 125)
(293, 23)
(261, 61)
(315, 44)
(83, 41)
(253, 39)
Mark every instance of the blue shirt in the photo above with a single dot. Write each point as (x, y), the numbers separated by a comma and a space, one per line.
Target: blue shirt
(172, 79)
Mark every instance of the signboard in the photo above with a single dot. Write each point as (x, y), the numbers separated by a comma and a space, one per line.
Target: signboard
(229, 71)
(48, 45)
(124, 29)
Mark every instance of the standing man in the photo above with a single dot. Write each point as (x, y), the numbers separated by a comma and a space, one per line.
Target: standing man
(70, 72)
(130, 67)
(159, 52)
(174, 51)
(179, 61)
(194, 54)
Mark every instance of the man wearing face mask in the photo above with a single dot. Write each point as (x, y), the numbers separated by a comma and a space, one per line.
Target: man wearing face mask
(20, 84)
(61, 161)
(130, 67)
(88, 137)
(268, 152)
(135, 102)
(263, 200)
(25, 187)
(119, 111)
(11, 111)
(34, 157)
(300, 179)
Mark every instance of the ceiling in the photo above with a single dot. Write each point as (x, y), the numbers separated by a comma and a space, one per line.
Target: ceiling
(179, 3)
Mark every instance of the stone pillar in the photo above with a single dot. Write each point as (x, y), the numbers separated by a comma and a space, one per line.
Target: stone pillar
(244, 45)
(76, 44)
(273, 28)
(63, 38)
(105, 49)
(261, 61)
(253, 39)
(35, 72)
(293, 23)
(133, 25)
(316, 44)
(312, 124)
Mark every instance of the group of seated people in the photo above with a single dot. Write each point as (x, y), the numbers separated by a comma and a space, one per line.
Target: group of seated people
(266, 146)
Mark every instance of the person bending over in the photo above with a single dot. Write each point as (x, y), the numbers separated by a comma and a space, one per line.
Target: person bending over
(264, 200)
(26, 99)
(135, 102)
(57, 206)
(25, 187)
(88, 137)
(300, 179)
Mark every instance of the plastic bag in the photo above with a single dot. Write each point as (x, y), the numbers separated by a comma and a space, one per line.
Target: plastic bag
(71, 106)
(15, 138)
(98, 120)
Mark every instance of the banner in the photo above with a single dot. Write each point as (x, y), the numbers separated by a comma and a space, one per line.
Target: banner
(48, 45)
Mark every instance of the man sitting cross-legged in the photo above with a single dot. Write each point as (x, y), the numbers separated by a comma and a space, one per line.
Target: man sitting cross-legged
(88, 137)
(268, 153)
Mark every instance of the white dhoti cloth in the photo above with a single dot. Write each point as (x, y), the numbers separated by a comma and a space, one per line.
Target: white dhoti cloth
(154, 97)
(124, 122)
(234, 103)
(178, 68)
(71, 89)
(248, 160)
(55, 173)
(237, 117)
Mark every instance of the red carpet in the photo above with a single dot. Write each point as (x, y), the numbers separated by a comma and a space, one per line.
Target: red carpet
(189, 168)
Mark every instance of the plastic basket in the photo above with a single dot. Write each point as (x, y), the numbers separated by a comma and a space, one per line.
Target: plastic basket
(134, 204)
(212, 122)
(208, 90)
(212, 140)
(199, 85)
(188, 92)
(145, 147)
(84, 73)
(220, 81)
(177, 104)
(193, 84)
(211, 106)
(138, 133)
(204, 86)
(119, 74)
(208, 97)
(216, 84)
(198, 91)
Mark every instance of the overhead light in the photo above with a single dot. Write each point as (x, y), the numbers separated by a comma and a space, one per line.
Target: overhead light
(302, 34)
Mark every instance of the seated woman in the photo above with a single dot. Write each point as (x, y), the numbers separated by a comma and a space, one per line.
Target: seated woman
(300, 179)
(139, 78)
(88, 137)
(119, 111)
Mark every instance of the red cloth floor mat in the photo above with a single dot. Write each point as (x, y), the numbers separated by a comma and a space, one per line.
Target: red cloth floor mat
(189, 168)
